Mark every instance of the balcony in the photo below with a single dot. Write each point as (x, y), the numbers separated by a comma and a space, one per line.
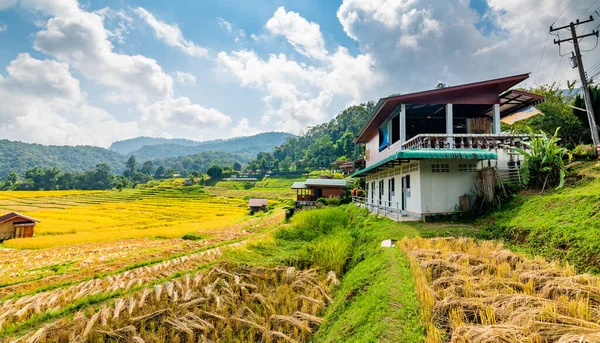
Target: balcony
(465, 141)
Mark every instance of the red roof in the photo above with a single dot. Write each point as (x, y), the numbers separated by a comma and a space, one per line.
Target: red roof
(14, 215)
(477, 93)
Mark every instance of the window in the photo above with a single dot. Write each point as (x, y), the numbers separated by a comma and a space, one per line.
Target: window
(373, 190)
(467, 167)
(440, 168)
(383, 137)
(395, 129)
(407, 181)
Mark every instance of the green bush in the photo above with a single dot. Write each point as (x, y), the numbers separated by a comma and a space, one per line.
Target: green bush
(585, 151)
(544, 164)
(192, 237)
(333, 201)
(322, 201)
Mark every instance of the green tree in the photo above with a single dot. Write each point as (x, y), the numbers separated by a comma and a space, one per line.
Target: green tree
(556, 113)
(237, 167)
(67, 181)
(160, 172)
(12, 178)
(215, 172)
(147, 168)
(586, 135)
(131, 166)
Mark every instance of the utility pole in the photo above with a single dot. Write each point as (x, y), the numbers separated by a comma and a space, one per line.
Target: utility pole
(579, 62)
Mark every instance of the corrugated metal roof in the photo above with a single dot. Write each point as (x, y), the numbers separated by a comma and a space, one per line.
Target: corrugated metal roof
(258, 202)
(298, 185)
(13, 215)
(445, 154)
(326, 182)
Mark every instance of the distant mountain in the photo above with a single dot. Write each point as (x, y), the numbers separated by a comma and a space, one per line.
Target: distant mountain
(18, 157)
(202, 161)
(129, 145)
(252, 145)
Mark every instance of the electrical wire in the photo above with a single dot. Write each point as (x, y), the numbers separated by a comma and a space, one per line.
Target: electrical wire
(563, 12)
(584, 12)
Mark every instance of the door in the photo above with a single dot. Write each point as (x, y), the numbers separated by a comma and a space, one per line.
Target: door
(405, 191)
(380, 191)
(318, 193)
(391, 191)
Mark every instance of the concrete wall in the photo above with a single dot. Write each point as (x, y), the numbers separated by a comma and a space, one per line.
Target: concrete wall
(413, 202)
(440, 190)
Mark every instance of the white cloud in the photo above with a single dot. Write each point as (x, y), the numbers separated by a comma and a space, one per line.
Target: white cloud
(79, 40)
(43, 103)
(171, 35)
(117, 23)
(182, 111)
(185, 78)
(4, 4)
(3, 27)
(243, 128)
(297, 94)
(303, 35)
(224, 24)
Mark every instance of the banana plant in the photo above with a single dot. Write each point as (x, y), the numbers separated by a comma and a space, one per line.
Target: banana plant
(544, 160)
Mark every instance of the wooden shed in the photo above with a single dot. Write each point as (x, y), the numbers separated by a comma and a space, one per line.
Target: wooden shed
(16, 225)
(258, 204)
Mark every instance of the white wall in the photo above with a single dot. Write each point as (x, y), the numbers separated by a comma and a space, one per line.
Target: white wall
(413, 203)
(440, 192)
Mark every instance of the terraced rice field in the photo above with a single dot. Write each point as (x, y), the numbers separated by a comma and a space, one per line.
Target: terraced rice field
(480, 292)
(76, 217)
(126, 241)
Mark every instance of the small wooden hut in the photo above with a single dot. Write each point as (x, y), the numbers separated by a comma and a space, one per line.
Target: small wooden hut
(16, 225)
(258, 205)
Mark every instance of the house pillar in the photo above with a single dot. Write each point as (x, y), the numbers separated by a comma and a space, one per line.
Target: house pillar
(496, 124)
(449, 126)
(402, 124)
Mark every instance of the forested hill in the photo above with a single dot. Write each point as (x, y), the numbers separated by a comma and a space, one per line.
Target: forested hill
(18, 157)
(129, 145)
(320, 145)
(146, 148)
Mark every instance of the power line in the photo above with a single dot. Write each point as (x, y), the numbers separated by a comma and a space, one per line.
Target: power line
(592, 5)
(563, 12)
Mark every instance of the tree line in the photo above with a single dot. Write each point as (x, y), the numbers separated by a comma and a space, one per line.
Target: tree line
(319, 146)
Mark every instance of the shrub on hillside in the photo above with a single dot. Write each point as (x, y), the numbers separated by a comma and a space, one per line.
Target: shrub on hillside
(544, 161)
(584, 152)
(333, 201)
(308, 225)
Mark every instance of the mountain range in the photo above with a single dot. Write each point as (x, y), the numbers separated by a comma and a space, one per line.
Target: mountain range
(19, 157)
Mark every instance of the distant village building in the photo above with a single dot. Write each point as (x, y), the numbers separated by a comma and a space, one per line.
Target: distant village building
(312, 189)
(16, 225)
(258, 205)
(424, 150)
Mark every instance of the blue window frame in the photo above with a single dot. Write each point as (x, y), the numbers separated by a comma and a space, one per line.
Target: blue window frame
(383, 137)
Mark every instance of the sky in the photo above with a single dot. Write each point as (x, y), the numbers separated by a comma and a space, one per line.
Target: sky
(93, 72)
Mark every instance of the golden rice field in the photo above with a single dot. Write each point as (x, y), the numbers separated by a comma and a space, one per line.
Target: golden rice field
(480, 292)
(91, 247)
(76, 217)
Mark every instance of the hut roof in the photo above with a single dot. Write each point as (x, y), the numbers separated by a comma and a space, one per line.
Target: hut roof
(13, 215)
(258, 202)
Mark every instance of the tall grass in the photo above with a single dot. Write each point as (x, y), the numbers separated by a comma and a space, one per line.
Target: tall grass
(331, 252)
(309, 225)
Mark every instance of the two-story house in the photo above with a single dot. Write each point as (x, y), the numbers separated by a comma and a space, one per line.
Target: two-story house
(423, 149)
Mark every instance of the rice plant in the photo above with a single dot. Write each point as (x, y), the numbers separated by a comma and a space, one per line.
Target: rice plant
(480, 292)
(229, 303)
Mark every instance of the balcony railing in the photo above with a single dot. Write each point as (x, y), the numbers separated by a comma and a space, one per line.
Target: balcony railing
(465, 141)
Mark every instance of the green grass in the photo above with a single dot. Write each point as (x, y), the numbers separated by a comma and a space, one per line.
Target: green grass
(376, 300)
(562, 225)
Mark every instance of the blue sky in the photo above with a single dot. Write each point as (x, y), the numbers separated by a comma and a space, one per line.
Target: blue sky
(98, 71)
